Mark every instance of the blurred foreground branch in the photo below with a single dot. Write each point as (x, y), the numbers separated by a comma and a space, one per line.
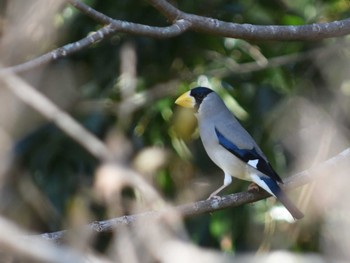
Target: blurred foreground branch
(181, 23)
(64, 121)
(13, 241)
(208, 206)
(71, 127)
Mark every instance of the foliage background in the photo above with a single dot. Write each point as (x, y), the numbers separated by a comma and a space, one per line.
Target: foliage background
(123, 89)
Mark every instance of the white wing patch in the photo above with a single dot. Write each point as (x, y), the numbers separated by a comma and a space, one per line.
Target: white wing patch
(256, 179)
(253, 163)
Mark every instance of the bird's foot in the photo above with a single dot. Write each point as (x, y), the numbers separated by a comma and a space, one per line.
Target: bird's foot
(253, 187)
(214, 197)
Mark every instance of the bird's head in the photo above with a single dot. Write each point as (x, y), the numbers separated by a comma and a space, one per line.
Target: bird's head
(193, 98)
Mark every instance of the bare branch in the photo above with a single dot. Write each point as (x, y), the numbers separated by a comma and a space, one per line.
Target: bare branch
(222, 28)
(120, 26)
(272, 32)
(183, 22)
(167, 9)
(94, 14)
(254, 32)
(208, 206)
(178, 27)
(62, 52)
(106, 31)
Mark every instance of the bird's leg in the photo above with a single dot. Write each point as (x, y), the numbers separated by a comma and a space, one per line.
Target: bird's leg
(227, 182)
(253, 187)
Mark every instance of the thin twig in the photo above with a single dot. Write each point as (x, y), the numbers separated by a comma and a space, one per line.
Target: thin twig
(238, 68)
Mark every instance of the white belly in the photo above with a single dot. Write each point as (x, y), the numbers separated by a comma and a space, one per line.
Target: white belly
(229, 163)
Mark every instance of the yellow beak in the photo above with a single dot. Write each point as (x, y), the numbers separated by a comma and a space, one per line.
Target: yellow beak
(186, 100)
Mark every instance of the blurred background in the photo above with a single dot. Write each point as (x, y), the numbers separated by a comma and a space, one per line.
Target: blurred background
(293, 97)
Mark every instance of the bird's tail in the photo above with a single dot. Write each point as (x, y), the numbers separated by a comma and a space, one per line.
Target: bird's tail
(293, 210)
(273, 188)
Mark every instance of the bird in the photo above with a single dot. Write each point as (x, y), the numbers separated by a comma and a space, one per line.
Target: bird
(231, 147)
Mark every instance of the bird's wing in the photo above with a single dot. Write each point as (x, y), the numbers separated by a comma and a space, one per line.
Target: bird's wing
(249, 156)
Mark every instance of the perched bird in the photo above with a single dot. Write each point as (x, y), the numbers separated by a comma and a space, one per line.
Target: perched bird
(231, 147)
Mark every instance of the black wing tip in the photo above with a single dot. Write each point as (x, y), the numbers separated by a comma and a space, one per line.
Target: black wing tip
(266, 168)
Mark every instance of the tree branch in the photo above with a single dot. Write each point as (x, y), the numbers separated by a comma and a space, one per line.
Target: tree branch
(106, 31)
(178, 27)
(271, 32)
(254, 32)
(183, 22)
(222, 28)
(61, 52)
(209, 206)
